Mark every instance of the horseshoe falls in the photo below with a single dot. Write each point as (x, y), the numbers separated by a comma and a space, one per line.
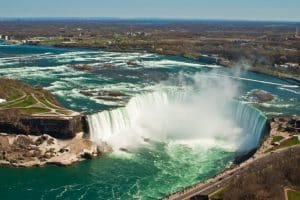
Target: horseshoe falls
(163, 116)
(181, 121)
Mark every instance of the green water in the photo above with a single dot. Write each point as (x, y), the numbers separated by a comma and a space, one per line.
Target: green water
(148, 174)
(151, 171)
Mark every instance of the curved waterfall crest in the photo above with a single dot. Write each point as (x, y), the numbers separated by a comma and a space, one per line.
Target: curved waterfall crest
(178, 116)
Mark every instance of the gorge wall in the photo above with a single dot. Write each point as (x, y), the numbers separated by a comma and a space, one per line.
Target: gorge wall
(57, 127)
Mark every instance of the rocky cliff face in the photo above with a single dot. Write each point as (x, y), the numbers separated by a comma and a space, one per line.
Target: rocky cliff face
(57, 127)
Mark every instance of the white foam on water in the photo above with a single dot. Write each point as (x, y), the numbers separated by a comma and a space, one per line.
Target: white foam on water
(172, 63)
(290, 90)
(254, 80)
(274, 105)
(187, 118)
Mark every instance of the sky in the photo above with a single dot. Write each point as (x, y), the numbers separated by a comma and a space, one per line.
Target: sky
(283, 10)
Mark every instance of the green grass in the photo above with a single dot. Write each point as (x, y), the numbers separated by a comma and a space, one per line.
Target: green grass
(290, 142)
(65, 112)
(287, 143)
(14, 94)
(52, 41)
(218, 194)
(277, 139)
(46, 102)
(10, 103)
(34, 110)
(28, 101)
(58, 109)
(293, 195)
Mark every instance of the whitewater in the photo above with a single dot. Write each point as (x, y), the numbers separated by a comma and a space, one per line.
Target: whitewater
(181, 117)
(182, 124)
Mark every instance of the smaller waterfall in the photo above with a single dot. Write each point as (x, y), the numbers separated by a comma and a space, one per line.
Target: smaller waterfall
(178, 116)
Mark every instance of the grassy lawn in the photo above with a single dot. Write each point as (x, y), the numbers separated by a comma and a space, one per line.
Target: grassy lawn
(28, 101)
(11, 103)
(46, 101)
(293, 195)
(65, 112)
(287, 143)
(14, 94)
(34, 110)
(290, 142)
(218, 194)
(277, 138)
(52, 41)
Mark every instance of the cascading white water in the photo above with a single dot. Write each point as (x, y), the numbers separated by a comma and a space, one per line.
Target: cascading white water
(179, 116)
(252, 122)
(115, 124)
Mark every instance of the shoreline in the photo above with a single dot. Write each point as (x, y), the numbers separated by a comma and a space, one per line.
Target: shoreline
(205, 188)
(210, 185)
(229, 64)
(262, 69)
(37, 151)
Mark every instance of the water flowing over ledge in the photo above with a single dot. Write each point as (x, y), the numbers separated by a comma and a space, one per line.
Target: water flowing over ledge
(180, 117)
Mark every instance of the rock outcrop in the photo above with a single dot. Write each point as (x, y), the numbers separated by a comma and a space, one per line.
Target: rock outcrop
(28, 150)
(57, 127)
(262, 96)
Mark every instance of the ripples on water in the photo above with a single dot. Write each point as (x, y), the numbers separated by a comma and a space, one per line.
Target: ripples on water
(151, 171)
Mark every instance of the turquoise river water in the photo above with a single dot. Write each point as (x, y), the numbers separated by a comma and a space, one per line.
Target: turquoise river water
(197, 116)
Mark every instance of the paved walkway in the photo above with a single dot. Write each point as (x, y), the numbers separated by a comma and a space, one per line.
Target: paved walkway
(211, 185)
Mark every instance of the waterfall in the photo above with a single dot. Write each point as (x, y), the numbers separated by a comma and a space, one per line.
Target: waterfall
(178, 115)
(252, 122)
(104, 125)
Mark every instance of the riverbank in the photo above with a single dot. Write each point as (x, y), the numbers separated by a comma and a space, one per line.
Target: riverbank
(284, 127)
(37, 130)
(214, 58)
(29, 150)
(258, 46)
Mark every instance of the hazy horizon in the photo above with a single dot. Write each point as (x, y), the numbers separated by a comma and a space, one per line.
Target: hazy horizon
(143, 19)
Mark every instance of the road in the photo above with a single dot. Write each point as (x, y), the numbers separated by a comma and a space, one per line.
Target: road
(211, 185)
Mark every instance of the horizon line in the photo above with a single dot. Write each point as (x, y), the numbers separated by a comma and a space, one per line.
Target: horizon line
(147, 18)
